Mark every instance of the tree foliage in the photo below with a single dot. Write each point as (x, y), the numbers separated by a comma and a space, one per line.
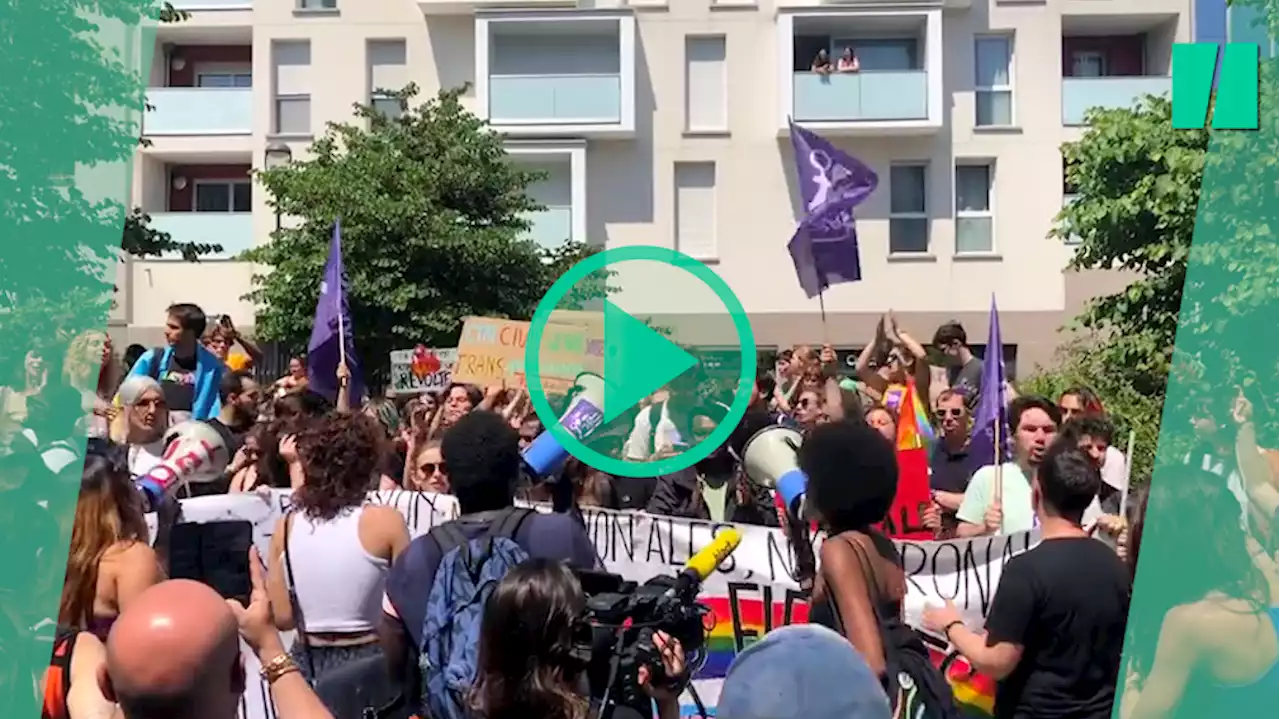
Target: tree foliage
(432, 216)
(1144, 190)
(1137, 186)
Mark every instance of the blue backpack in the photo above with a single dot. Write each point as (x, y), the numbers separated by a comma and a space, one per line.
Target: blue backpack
(468, 572)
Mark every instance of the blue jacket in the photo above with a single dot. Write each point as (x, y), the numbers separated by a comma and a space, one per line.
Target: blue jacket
(209, 369)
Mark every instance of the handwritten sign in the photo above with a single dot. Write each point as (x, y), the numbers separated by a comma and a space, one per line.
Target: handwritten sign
(422, 370)
(491, 352)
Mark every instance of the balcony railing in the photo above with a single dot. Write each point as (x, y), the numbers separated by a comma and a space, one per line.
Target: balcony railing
(232, 230)
(198, 111)
(861, 97)
(1079, 94)
(555, 99)
(551, 227)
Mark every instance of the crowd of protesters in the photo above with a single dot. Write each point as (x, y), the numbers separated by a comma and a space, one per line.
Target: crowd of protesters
(346, 576)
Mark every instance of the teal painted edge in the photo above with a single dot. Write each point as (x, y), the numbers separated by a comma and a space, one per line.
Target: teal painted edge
(1200, 583)
(71, 98)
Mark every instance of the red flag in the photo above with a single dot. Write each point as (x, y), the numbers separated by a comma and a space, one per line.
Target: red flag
(913, 497)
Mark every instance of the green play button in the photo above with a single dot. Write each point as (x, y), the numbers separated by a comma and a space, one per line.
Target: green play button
(637, 361)
(683, 383)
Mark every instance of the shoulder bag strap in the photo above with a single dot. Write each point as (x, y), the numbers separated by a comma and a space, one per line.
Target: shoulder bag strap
(295, 605)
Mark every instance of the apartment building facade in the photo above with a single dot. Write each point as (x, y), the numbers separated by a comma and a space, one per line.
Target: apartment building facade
(664, 122)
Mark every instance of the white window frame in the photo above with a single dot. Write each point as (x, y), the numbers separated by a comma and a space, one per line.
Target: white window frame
(980, 89)
(277, 131)
(316, 5)
(231, 195)
(919, 215)
(374, 98)
(988, 214)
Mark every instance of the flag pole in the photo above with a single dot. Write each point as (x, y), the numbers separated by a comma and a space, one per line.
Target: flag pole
(998, 494)
(1128, 474)
(822, 308)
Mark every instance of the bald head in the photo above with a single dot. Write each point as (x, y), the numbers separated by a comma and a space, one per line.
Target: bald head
(175, 652)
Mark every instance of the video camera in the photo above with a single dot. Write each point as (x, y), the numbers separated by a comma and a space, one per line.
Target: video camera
(623, 618)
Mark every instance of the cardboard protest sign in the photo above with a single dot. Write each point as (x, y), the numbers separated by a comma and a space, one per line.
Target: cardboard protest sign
(491, 352)
(422, 370)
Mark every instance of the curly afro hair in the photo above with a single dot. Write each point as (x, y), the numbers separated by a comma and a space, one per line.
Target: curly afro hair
(339, 456)
(853, 475)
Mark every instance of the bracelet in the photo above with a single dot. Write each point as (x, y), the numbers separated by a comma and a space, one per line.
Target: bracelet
(278, 667)
(946, 631)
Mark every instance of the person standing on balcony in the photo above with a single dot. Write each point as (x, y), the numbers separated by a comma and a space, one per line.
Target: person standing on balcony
(848, 61)
(822, 63)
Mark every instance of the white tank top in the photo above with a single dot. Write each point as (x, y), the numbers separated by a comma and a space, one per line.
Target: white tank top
(339, 585)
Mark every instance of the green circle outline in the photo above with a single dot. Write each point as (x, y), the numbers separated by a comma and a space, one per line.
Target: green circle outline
(742, 327)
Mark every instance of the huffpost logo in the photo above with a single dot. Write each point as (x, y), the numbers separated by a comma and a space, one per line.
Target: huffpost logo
(1235, 100)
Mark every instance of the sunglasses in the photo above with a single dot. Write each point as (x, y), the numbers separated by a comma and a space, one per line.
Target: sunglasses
(431, 467)
(949, 412)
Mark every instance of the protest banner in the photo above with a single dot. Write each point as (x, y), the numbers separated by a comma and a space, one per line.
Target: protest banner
(751, 593)
(422, 370)
(491, 353)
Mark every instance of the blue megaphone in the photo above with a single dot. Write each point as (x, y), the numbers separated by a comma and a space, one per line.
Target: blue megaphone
(544, 457)
(769, 459)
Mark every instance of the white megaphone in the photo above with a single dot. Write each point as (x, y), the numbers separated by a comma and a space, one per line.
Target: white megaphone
(769, 459)
(585, 414)
(194, 452)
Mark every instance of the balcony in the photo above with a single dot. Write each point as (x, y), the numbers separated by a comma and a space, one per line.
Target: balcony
(1112, 61)
(895, 88)
(555, 74)
(232, 230)
(861, 96)
(1079, 94)
(186, 111)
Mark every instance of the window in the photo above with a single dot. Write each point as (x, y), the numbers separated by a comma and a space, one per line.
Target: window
(908, 209)
(1088, 63)
(224, 78)
(223, 196)
(993, 81)
(973, 209)
(705, 92)
(695, 202)
(317, 4)
(292, 65)
(387, 73)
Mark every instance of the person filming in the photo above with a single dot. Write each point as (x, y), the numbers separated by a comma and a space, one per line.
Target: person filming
(533, 659)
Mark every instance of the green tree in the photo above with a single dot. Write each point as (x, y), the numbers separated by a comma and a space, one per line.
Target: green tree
(432, 215)
(1137, 186)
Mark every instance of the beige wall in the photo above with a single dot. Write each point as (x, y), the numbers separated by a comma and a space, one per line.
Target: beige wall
(630, 193)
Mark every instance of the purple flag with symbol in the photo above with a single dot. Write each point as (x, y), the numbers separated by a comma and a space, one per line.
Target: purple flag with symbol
(332, 336)
(824, 247)
(992, 412)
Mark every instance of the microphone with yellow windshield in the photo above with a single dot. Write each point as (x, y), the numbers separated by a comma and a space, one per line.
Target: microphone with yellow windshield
(703, 564)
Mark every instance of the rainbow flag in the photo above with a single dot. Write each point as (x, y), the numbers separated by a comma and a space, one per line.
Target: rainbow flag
(906, 402)
(974, 694)
(721, 647)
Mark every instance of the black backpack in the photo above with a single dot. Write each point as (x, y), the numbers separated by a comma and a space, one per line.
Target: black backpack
(916, 688)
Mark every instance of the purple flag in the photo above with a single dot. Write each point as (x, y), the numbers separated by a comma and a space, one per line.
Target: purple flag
(992, 410)
(824, 247)
(332, 334)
